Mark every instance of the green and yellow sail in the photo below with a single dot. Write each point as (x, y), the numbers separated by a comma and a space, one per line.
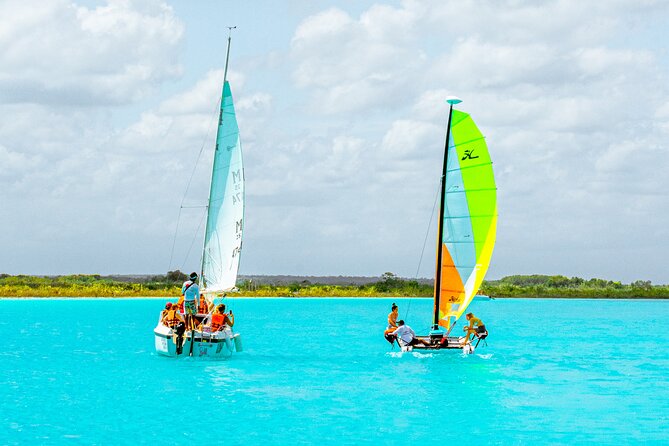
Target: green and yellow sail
(468, 228)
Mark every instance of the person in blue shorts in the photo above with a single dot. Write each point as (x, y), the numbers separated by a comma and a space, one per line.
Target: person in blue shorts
(191, 293)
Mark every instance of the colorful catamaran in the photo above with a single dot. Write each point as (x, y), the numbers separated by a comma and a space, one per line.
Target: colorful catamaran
(467, 227)
(222, 240)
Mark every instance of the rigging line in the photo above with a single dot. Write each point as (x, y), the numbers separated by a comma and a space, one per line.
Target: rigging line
(174, 240)
(192, 174)
(193, 241)
(422, 252)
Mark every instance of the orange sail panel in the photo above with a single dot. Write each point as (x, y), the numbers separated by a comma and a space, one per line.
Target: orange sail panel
(452, 289)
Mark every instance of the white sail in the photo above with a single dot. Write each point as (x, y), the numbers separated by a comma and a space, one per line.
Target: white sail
(225, 213)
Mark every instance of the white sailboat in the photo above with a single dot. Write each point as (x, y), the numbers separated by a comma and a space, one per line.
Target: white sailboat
(222, 241)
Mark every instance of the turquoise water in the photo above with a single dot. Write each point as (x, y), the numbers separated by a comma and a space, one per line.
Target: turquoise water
(319, 371)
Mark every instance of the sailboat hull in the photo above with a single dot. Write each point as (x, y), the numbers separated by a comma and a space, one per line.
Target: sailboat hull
(449, 343)
(219, 345)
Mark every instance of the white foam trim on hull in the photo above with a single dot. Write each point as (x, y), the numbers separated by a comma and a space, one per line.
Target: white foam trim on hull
(221, 344)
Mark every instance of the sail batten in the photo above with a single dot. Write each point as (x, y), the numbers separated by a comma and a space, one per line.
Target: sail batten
(469, 204)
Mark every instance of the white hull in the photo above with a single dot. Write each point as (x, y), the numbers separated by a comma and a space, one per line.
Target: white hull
(221, 344)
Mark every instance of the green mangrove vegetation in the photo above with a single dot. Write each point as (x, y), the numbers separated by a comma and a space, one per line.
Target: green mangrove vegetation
(388, 285)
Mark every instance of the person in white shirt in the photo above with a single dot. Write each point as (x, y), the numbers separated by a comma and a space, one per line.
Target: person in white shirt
(406, 336)
(191, 293)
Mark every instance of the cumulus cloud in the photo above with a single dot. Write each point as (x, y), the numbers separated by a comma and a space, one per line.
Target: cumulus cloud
(561, 99)
(343, 135)
(61, 53)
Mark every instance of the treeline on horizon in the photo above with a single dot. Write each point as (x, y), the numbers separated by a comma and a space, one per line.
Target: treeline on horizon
(388, 285)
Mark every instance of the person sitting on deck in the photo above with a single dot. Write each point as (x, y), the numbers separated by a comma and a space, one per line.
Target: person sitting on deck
(191, 292)
(171, 318)
(406, 336)
(475, 327)
(168, 307)
(392, 319)
(219, 319)
(203, 308)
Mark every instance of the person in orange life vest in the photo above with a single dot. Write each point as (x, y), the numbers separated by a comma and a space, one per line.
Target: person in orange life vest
(219, 319)
(168, 307)
(172, 317)
(203, 308)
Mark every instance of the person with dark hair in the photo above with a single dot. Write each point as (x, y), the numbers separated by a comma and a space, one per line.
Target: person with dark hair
(392, 319)
(219, 319)
(168, 307)
(203, 307)
(171, 317)
(191, 292)
(475, 327)
(406, 336)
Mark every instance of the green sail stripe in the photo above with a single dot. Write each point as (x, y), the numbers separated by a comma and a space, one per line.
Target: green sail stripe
(477, 176)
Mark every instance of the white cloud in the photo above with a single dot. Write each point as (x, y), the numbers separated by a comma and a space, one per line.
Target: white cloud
(343, 163)
(61, 53)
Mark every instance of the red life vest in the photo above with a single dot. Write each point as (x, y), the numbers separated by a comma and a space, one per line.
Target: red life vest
(218, 320)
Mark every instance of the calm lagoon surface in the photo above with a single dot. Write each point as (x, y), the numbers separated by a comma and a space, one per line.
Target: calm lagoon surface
(318, 371)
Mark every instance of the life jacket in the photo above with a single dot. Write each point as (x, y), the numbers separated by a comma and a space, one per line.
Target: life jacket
(172, 319)
(180, 304)
(217, 321)
(203, 308)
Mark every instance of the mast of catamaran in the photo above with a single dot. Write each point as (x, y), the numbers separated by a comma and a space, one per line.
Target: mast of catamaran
(220, 118)
(452, 100)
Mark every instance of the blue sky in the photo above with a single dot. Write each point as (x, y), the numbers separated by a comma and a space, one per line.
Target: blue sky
(106, 105)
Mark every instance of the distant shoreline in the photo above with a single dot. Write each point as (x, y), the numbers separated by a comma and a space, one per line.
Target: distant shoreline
(386, 286)
(244, 296)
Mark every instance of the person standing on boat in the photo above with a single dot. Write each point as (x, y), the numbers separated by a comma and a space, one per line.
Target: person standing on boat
(406, 336)
(191, 292)
(475, 327)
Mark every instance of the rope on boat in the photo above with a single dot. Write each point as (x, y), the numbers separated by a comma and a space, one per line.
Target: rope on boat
(194, 238)
(190, 180)
(422, 252)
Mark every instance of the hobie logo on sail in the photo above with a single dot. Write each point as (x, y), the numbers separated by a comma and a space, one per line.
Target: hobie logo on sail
(468, 155)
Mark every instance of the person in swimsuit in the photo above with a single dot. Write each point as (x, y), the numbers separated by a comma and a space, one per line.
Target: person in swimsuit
(475, 327)
(392, 319)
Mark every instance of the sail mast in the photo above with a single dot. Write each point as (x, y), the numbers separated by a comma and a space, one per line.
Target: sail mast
(220, 118)
(437, 281)
(227, 55)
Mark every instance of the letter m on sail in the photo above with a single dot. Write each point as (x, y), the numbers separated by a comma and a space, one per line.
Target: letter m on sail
(236, 176)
